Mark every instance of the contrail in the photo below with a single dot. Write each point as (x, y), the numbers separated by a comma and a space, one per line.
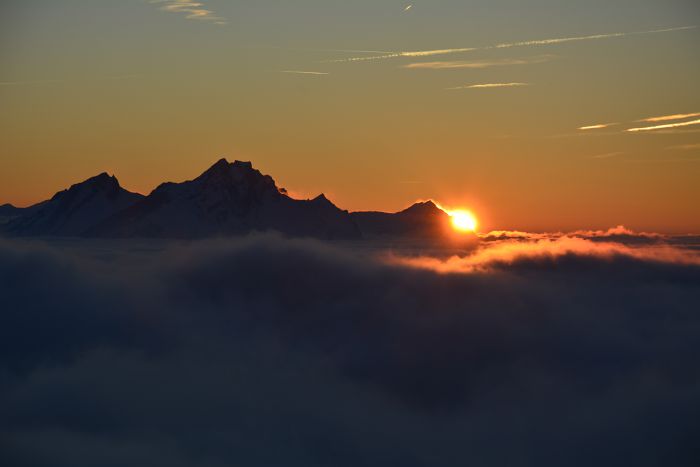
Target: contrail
(297, 72)
(560, 40)
(666, 118)
(489, 85)
(598, 126)
(663, 127)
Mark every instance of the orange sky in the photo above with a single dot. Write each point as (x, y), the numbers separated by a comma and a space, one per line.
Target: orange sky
(375, 106)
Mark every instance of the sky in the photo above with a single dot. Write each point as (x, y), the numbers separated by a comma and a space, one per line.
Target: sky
(477, 104)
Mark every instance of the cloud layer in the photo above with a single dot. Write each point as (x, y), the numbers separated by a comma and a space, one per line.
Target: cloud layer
(266, 351)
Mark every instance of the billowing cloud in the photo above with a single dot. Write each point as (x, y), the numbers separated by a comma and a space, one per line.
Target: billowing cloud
(504, 253)
(191, 10)
(213, 353)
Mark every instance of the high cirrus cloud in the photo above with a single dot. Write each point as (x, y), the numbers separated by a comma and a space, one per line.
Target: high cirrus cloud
(268, 351)
(191, 10)
(478, 64)
(508, 45)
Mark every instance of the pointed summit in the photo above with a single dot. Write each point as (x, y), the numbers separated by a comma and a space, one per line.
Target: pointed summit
(228, 199)
(321, 200)
(73, 211)
(423, 208)
(422, 219)
(221, 164)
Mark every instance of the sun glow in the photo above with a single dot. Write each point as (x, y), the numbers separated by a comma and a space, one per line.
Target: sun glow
(463, 221)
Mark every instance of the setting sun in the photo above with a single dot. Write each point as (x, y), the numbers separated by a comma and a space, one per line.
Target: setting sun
(464, 221)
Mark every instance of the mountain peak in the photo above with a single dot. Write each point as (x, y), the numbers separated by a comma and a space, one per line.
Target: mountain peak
(223, 167)
(243, 164)
(423, 207)
(322, 200)
(99, 183)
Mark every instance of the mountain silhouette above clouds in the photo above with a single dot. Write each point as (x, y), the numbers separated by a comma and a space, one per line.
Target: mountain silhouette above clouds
(229, 198)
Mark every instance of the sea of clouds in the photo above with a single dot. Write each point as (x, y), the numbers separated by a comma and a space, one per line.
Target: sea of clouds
(528, 350)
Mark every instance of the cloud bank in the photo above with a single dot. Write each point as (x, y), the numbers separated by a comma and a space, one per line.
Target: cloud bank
(266, 351)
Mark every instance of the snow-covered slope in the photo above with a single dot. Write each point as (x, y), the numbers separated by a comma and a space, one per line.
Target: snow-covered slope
(73, 212)
(228, 199)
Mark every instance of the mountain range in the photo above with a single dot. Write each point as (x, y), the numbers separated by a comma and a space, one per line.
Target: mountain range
(227, 199)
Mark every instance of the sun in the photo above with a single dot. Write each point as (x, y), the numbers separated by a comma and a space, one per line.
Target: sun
(463, 221)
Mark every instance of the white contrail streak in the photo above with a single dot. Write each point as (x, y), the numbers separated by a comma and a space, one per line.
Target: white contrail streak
(478, 64)
(560, 40)
(598, 126)
(297, 72)
(489, 85)
(663, 127)
(666, 118)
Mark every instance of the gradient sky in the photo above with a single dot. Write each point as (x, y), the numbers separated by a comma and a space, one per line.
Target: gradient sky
(156, 91)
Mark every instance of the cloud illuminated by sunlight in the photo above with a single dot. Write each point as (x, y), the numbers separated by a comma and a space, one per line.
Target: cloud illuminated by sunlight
(540, 42)
(191, 10)
(665, 118)
(598, 126)
(489, 86)
(478, 64)
(666, 126)
(297, 72)
(506, 252)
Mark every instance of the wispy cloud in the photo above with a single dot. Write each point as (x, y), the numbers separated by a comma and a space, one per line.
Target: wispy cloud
(489, 86)
(666, 118)
(685, 147)
(598, 126)
(607, 155)
(532, 43)
(63, 81)
(26, 83)
(191, 10)
(298, 72)
(478, 64)
(665, 126)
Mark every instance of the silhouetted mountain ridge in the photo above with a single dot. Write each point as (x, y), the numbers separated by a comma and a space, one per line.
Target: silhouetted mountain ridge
(229, 198)
(423, 219)
(72, 212)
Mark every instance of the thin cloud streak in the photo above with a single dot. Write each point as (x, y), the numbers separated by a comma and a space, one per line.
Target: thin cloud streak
(666, 118)
(540, 42)
(191, 10)
(607, 155)
(685, 147)
(489, 86)
(297, 72)
(477, 64)
(598, 126)
(664, 127)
